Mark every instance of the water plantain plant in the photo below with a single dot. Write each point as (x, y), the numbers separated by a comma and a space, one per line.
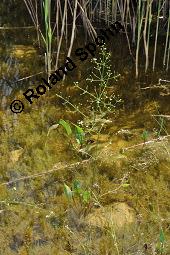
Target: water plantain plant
(101, 80)
(99, 92)
(160, 246)
(73, 132)
(79, 198)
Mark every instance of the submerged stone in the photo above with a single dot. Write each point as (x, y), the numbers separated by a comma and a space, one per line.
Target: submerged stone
(117, 215)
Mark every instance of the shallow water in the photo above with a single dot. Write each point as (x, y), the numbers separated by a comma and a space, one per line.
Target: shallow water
(117, 165)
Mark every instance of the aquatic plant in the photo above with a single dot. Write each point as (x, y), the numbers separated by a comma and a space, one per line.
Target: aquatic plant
(33, 9)
(44, 181)
(144, 17)
(48, 35)
(63, 11)
(161, 129)
(100, 101)
(74, 133)
(79, 198)
(99, 81)
(145, 136)
(77, 190)
(161, 244)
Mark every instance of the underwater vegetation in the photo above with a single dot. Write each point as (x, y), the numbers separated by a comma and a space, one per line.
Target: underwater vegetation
(85, 169)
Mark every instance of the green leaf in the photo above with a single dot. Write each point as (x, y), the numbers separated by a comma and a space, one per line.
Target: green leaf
(125, 185)
(145, 135)
(79, 133)
(68, 192)
(161, 236)
(86, 196)
(77, 185)
(66, 126)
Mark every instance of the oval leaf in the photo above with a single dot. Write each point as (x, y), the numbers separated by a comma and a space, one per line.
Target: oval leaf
(68, 192)
(66, 126)
(79, 133)
(161, 237)
(86, 196)
(125, 185)
(76, 185)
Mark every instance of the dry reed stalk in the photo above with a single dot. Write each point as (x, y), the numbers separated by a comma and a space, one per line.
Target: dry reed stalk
(140, 14)
(33, 11)
(109, 11)
(91, 30)
(56, 25)
(62, 33)
(168, 57)
(100, 11)
(168, 52)
(166, 43)
(37, 23)
(73, 29)
(66, 29)
(114, 10)
(156, 36)
(94, 10)
(146, 32)
(149, 27)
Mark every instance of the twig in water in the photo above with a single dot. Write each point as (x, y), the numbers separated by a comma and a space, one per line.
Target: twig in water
(166, 81)
(55, 168)
(146, 143)
(12, 28)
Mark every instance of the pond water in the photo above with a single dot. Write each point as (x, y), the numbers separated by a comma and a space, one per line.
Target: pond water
(123, 161)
